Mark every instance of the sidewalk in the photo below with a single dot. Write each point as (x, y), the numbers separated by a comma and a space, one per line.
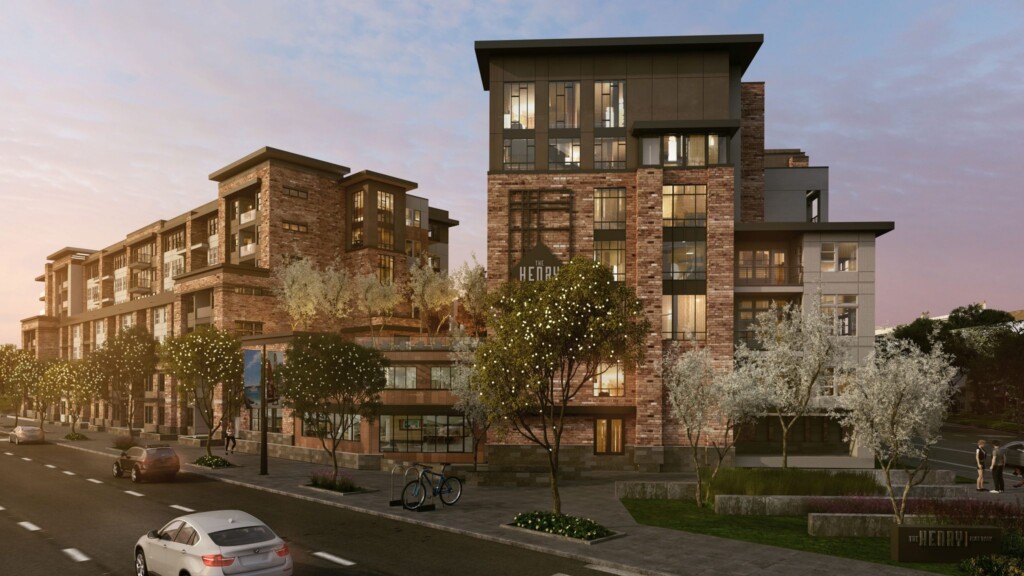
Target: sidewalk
(482, 511)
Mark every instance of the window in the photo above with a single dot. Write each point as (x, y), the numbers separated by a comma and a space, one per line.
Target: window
(843, 309)
(295, 227)
(608, 436)
(248, 328)
(357, 237)
(692, 150)
(385, 207)
(275, 419)
(296, 193)
(519, 154)
(612, 253)
(609, 381)
(564, 153)
(385, 269)
(358, 200)
(563, 105)
(385, 239)
(650, 151)
(609, 153)
(342, 426)
(610, 104)
(174, 268)
(518, 105)
(424, 433)
(441, 377)
(685, 260)
(211, 226)
(120, 261)
(413, 217)
(174, 241)
(813, 206)
(685, 205)
(684, 316)
(400, 377)
(610, 209)
(838, 256)
(746, 318)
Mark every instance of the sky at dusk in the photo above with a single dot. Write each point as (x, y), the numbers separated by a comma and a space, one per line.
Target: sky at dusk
(113, 114)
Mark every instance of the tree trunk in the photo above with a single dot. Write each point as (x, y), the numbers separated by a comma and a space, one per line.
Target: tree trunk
(785, 441)
(556, 498)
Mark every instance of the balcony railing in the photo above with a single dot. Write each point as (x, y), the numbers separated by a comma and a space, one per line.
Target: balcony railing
(247, 250)
(141, 261)
(770, 275)
(141, 286)
(247, 217)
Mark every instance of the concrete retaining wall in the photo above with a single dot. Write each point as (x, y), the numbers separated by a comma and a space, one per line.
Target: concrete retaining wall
(853, 525)
(656, 490)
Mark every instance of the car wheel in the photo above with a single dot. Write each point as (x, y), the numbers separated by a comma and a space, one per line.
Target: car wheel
(136, 475)
(117, 470)
(140, 564)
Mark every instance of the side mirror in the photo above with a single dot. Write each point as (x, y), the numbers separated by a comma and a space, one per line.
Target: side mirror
(152, 535)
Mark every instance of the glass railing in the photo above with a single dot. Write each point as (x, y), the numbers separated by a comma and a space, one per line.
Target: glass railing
(247, 250)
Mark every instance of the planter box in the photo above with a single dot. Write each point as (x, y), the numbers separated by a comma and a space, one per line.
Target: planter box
(655, 490)
(613, 536)
(738, 505)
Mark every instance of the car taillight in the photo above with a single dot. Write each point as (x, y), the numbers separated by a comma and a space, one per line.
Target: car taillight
(217, 560)
(282, 551)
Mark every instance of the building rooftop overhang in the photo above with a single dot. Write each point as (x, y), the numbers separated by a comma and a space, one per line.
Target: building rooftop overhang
(878, 228)
(70, 251)
(371, 176)
(727, 126)
(741, 47)
(267, 153)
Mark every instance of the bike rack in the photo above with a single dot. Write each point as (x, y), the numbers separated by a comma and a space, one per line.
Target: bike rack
(398, 468)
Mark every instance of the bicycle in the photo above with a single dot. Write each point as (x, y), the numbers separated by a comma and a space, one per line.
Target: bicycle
(448, 488)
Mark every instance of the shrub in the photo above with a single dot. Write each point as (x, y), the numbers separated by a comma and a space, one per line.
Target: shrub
(794, 482)
(75, 436)
(993, 566)
(212, 462)
(124, 442)
(562, 524)
(325, 479)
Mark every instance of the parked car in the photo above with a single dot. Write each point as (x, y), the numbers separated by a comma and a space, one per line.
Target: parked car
(147, 462)
(213, 543)
(27, 434)
(1014, 454)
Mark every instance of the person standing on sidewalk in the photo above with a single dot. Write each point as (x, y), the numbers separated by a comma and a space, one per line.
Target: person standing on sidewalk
(998, 463)
(979, 460)
(229, 438)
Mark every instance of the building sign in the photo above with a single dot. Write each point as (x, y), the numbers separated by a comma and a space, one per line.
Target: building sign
(538, 264)
(943, 543)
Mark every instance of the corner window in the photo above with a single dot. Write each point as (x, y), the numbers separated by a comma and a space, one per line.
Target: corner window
(563, 153)
(610, 104)
(609, 153)
(519, 154)
(608, 436)
(518, 106)
(838, 256)
(563, 105)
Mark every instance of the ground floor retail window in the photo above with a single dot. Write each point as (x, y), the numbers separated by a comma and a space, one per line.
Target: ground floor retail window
(274, 419)
(343, 426)
(424, 433)
(608, 436)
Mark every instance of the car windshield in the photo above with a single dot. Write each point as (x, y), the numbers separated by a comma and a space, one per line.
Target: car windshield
(161, 453)
(242, 536)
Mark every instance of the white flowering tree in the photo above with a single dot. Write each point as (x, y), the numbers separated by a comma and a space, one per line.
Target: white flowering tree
(128, 361)
(547, 340)
(376, 299)
(433, 293)
(335, 295)
(468, 400)
(895, 405)
(299, 291)
(471, 285)
(797, 355)
(332, 383)
(26, 373)
(84, 387)
(8, 362)
(56, 379)
(200, 361)
(710, 404)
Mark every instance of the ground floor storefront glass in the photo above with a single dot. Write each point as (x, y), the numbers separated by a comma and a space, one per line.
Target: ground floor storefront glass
(424, 433)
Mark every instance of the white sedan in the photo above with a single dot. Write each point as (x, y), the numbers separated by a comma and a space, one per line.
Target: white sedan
(26, 434)
(213, 543)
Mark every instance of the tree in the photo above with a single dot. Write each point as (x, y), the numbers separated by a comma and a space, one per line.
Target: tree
(85, 385)
(128, 360)
(26, 376)
(549, 339)
(300, 291)
(977, 315)
(799, 350)
(335, 296)
(895, 405)
(471, 285)
(8, 362)
(704, 399)
(332, 383)
(468, 400)
(997, 369)
(200, 361)
(56, 379)
(433, 293)
(376, 299)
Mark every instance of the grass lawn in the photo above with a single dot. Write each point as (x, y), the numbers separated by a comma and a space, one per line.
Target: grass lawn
(782, 531)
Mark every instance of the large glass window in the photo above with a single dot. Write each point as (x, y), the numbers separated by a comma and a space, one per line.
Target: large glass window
(693, 150)
(610, 381)
(385, 239)
(838, 256)
(610, 209)
(342, 426)
(608, 436)
(564, 153)
(424, 433)
(385, 269)
(441, 377)
(684, 316)
(650, 151)
(610, 104)
(685, 205)
(685, 260)
(612, 253)
(843, 309)
(519, 154)
(385, 207)
(563, 105)
(609, 153)
(358, 204)
(400, 377)
(747, 311)
(519, 105)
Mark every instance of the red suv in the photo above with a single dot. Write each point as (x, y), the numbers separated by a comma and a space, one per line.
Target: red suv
(146, 462)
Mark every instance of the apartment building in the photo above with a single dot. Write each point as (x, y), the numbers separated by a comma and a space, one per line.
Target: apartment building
(648, 155)
(214, 265)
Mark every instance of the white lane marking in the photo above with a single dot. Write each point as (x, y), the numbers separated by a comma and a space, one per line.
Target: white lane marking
(333, 558)
(76, 555)
(69, 473)
(8, 454)
(95, 481)
(610, 570)
(51, 466)
(182, 508)
(28, 526)
(26, 459)
(2, 508)
(130, 493)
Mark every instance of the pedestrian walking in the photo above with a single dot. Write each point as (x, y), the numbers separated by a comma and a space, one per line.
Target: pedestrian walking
(998, 463)
(229, 438)
(979, 460)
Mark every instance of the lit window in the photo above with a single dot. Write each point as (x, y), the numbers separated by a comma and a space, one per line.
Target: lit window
(612, 254)
(843, 310)
(609, 153)
(563, 105)
(838, 256)
(685, 205)
(519, 106)
(610, 104)
(608, 436)
(610, 209)
(685, 260)
(564, 153)
(609, 381)
(385, 269)
(519, 154)
(684, 316)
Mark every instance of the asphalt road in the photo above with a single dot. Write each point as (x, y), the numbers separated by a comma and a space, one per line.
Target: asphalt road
(62, 512)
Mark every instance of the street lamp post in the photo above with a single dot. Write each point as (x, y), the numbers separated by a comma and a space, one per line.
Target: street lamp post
(263, 412)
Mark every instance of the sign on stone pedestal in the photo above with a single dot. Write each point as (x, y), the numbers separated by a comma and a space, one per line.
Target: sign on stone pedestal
(943, 543)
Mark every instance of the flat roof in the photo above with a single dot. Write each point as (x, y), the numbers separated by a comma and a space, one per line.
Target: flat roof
(370, 175)
(741, 47)
(878, 228)
(69, 251)
(268, 153)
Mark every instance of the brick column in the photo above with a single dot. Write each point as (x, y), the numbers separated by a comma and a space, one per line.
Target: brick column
(752, 150)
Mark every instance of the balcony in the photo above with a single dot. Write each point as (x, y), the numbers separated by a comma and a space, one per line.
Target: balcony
(769, 275)
(141, 262)
(141, 286)
(212, 258)
(247, 250)
(42, 296)
(246, 219)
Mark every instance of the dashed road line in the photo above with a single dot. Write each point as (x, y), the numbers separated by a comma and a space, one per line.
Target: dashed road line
(51, 466)
(132, 493)
(69, 473)
(8, 454)
(333, 558)
(95, 481)
(182, 508)
(610, 570)
(76, 555)
(29, 526)
(2, 508)
(26, 459)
